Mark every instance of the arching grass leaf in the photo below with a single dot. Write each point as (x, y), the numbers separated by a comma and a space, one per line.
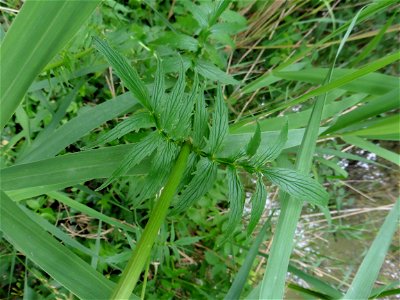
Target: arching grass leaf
(219, 127)
(77, 127)
(299, 186)
(125, 71)
(202, 181)
(242, 276)
(139, 152)
(258, 200)
(54, 258)
(28, 47)
(368, 272)
(133, 123)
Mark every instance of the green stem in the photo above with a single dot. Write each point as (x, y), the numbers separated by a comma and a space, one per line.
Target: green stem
(141, 253)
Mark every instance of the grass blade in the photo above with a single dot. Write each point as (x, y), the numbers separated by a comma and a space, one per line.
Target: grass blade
(78, 127)
(273, 284)
(41, 29)
(368, 272)
(55, 259)
(241, 277)
(371, 147)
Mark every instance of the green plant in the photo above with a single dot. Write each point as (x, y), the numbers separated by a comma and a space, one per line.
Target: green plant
(168, 127)
(176, 132)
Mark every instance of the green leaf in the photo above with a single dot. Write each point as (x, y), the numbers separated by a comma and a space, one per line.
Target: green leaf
(73, 130)
(40, 30)
(254, 142)
(183, 127)
(160, 168)
(176, 107)
(271, 153)
(219, 7)
(371, 147)
(273, 283)
(139, 152)
(200, 121)
(57, 232)
(368, 272)
(178, 41)
(133, 123)
(158, 88)
(299, 186)
(32, 179)
(56, 260)
(202, 181)
(61, 197)
(386, 128)
(219, 127)
(373, 108)
(128, 74)
(236, 198)
(242, 276)
(185, 241)
(372, 83)
(213, 73)
(258, 200)
(42, 176)
(349, 77)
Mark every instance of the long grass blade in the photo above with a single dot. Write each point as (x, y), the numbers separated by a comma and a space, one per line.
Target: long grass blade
(273, 284)
(368, 272)
(57, 260)
(41, 29)
(241, 277)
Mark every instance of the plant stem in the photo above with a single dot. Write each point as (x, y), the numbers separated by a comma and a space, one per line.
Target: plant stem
(141, 253)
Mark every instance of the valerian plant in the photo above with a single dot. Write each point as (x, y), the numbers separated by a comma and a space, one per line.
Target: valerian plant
(185, 148)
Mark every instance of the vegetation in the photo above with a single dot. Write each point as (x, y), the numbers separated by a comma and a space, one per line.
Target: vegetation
(195, 150)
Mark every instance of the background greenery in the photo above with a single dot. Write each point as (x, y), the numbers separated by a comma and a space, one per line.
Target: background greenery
(69, 106)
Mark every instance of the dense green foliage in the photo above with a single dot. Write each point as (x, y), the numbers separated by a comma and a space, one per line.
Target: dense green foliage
(166, 147)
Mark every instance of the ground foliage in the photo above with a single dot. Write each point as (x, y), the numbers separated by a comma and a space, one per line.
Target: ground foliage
(236, 81)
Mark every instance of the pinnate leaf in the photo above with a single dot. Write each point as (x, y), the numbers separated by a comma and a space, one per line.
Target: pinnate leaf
(160, 169)
(139, 152)
(125, 71)
(254, 142)
(297, 185)
(174, 105)
(134, 123)
(258, 200)
(212, 72)
(272, 152)
(236, 199)
(202, 181)
(219, 127)
(200, 121)
(158, 87)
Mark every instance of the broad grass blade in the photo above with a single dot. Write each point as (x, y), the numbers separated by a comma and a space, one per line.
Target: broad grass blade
(371, 147)
(77, 127)
(57, 260)
(41, 29)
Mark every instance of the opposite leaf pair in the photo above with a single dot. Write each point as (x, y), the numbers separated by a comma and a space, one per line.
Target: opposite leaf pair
(181, 117)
